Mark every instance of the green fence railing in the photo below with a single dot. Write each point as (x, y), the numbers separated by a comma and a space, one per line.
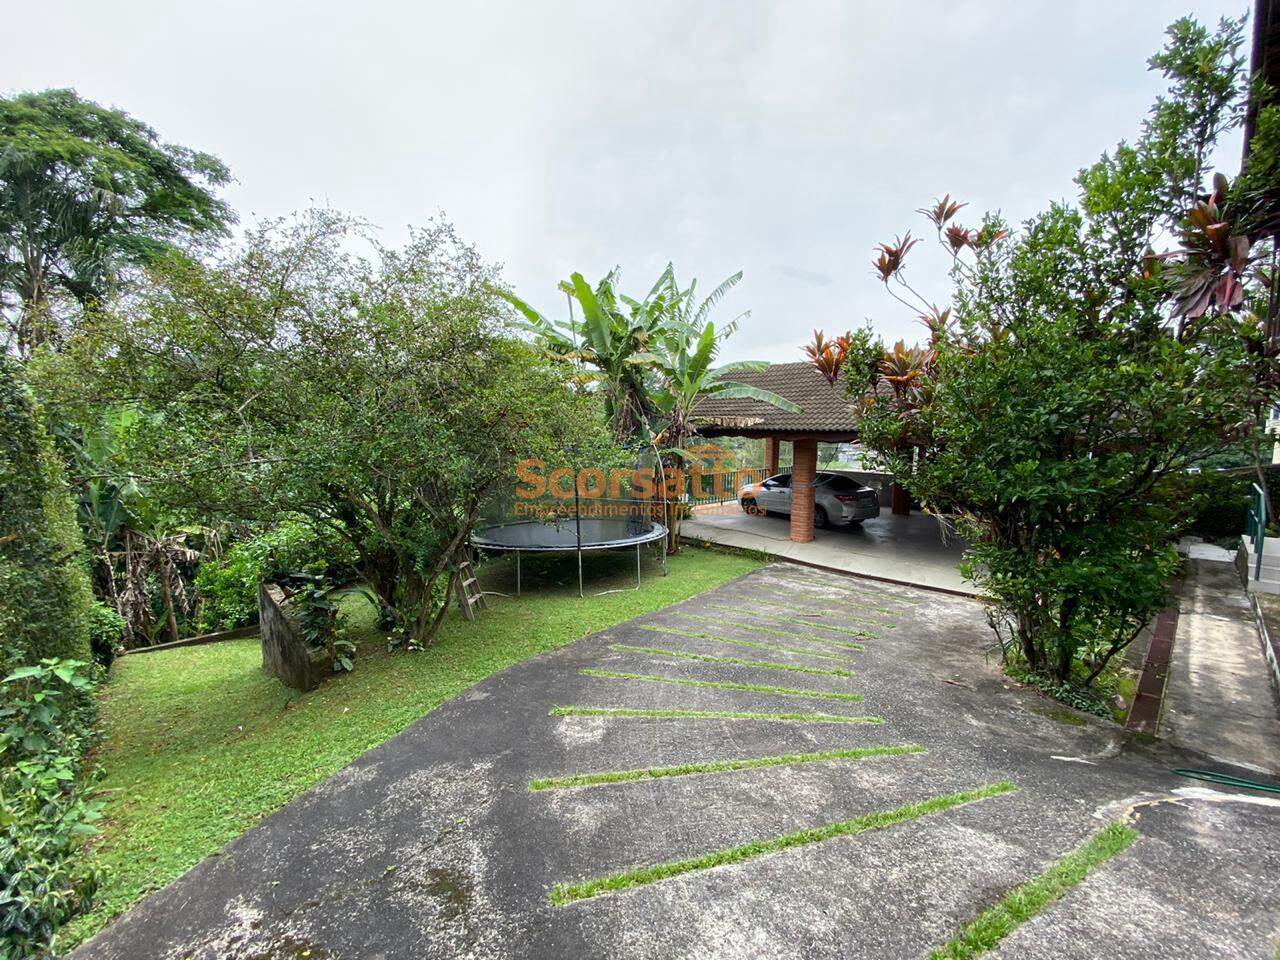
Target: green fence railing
(1256, 528)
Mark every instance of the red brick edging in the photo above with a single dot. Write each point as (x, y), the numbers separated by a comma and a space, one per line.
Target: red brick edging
(1144, 715)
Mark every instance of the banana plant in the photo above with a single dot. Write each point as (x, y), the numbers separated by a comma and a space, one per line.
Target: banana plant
(686, 378)
(612, 341)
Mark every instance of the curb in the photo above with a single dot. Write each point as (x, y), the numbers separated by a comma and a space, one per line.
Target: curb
(778, 558)
(239, 633)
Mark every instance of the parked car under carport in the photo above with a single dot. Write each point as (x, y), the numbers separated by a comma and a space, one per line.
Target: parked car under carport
(839, 501)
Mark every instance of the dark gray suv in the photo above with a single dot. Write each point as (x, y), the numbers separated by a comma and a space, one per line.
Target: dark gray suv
(839, 501)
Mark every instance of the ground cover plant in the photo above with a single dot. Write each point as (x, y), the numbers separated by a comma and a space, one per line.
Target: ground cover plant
(258, 745)
(677, 714)
(564, 894)
(576, 780)
(985, 931)
(722, 685)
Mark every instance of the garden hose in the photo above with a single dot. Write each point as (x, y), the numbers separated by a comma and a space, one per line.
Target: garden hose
(1226, 780)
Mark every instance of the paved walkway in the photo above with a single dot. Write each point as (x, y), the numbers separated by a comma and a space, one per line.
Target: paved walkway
(437, 845)
(910, 550)
(1220, 698)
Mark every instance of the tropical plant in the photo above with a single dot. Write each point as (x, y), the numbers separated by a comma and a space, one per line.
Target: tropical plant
(87, 192)
(1057, 407)
(143, 554)
(45, 813)
(613, 339)
(226, 585)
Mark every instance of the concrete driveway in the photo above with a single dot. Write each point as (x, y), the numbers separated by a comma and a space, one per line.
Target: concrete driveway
(435, 845)
(913, 550)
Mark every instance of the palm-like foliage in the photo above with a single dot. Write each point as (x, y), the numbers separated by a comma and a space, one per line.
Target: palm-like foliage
(652, 357)
(683, 363)
(611, 342)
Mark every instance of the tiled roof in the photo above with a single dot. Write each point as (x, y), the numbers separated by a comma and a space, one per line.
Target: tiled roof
(824, 408)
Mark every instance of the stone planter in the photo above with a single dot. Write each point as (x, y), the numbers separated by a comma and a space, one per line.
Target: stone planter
(286, 654)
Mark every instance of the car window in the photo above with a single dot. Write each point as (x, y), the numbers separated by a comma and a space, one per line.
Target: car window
(781, 480)
(841, 484)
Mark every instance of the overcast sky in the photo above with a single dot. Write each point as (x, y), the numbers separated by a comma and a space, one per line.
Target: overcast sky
(784, 139)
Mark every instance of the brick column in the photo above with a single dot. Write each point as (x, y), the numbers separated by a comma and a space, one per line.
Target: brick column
(900, 499)
(771, 455)
(804, 467)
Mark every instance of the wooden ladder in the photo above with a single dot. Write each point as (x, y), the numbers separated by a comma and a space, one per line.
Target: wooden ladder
(468, 587)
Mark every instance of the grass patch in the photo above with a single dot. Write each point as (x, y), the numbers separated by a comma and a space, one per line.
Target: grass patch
(798, 651)
(735, 661)
(724, 685)
(710, 715)
(722, 622)
(566, 893)
(716, 766)
(199, 745)
(1021, 904)
(850, 631)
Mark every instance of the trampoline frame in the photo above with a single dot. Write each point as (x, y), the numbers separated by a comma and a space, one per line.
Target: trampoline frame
(656, 531)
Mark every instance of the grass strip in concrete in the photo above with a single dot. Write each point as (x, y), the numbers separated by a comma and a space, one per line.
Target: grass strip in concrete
(849, 595)
(563, 894)
(717, 766)
(849, 631)
(991, 926)
(755, 644)
(722, 622)
(724, 685)
(733, 661)
(674, 714)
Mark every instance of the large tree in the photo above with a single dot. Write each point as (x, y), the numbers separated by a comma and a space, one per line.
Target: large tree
(381, 398)
(86, 193)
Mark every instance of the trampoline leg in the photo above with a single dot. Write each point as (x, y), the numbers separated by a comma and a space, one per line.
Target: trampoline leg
(637, 566)
(580, 573)
(664, 556)
(517, 573)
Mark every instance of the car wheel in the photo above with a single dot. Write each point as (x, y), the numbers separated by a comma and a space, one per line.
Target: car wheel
(749, 507)
(820, 521)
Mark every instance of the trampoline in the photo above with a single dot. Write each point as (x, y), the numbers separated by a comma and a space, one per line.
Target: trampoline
(576, 533)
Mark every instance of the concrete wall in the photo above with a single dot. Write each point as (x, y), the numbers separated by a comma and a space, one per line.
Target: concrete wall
(286, 655)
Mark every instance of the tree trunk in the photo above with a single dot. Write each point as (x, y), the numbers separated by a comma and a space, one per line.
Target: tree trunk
(168, 602)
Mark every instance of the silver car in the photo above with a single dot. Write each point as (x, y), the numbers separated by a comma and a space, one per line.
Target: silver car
(839, 501)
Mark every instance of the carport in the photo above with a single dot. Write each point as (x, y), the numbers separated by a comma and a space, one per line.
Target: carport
(825, 416)
(899, 546)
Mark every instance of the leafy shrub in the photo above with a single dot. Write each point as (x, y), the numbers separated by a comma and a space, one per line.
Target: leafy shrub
(320, 619)
(1085, 699)
(106, 634)
(46, 601)
(45, 724)
(228, 587)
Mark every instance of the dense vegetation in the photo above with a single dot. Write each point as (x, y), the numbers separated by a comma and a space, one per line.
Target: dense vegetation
(305, 402)
(378, 400)
(48, 619)
(1078, 375)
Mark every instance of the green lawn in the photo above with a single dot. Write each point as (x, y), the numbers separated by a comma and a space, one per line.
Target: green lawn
(200, 745)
